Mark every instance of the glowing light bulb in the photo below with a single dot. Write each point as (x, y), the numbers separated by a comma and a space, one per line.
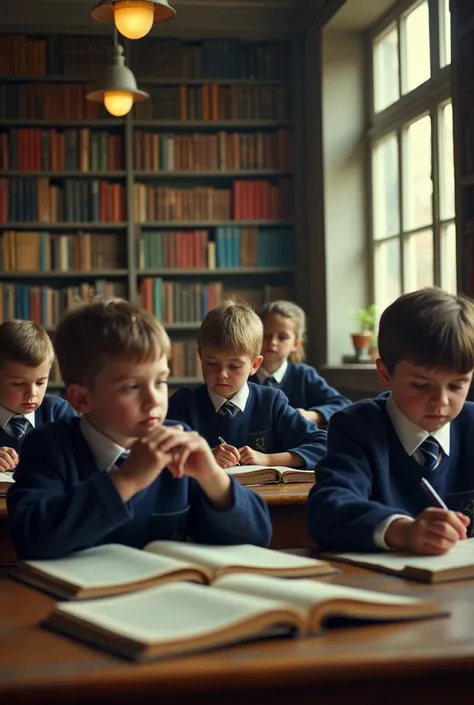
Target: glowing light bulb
(118, 103)
(134, 18)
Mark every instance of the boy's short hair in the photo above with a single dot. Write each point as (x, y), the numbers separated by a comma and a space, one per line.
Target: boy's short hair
(25, 342)
(92, 333)
(232, 326)
(430, 328)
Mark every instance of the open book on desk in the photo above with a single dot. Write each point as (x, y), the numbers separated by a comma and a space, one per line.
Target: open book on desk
(6, 479)
(263, 474)
(113, 569)
(457, 564)
(171, 620)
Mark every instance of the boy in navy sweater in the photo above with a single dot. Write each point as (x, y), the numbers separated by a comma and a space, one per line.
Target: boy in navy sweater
(243, 422)
(284, 332)
(368, 494)
(26, 356)
(119, 474)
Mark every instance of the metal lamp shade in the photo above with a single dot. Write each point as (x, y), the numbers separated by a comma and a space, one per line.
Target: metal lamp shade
(118, 78)
(104, 11)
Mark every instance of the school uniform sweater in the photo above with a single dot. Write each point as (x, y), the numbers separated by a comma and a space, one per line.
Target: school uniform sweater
(367, 476)
(62, 502)
(53, 408)
(306, 389)
(268, 423)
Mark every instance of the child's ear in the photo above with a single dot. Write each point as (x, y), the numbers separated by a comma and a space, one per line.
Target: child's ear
(297, 344)
(78, 397)
(256, 364)
(382, 373)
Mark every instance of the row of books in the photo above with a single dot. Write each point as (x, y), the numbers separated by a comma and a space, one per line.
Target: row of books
(184, 361)
(21, 55)
(232, 247)
(170, 301)
(34, 149)
(48, 101)
(215, 102)
(188, 302)
(31, 200)
(247, 200)
(155, 151)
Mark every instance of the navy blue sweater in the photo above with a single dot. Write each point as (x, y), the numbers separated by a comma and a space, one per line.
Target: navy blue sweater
(367, 476)
(306, 389)
(62, 502)
(268, 424)
(53, 408)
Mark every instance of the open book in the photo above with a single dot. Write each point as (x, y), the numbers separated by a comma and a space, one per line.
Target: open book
(114, 569)
(457, 564)
(6, 479)
(171, 620)
(261, 474)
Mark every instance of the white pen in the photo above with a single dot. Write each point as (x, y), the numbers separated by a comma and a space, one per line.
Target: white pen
(221, 440)
(432, 494)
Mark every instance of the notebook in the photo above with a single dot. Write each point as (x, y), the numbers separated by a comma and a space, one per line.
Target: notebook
(457, 564)
(261, 474)
(172, 620)
(112, 569)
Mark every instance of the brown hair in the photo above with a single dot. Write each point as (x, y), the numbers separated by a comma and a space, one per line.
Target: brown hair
(25, 342)
(290, 310)
(232, 326)
(105, 329)
(428, 327)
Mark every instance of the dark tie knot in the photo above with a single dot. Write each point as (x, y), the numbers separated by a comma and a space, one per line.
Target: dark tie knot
(227, 409)
(431, 452)
(19, 424)
(121, 459)
(270, 381)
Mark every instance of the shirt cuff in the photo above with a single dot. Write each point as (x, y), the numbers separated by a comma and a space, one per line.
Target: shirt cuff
(381, 530)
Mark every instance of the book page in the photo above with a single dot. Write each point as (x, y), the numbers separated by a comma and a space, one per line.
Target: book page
(247, 556)
(106, 565)
(305, 593)
(169, 613)
(6, 476)
(462, 554)
(243, 469)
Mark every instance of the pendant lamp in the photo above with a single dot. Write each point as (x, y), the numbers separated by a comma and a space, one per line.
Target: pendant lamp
(133, 18)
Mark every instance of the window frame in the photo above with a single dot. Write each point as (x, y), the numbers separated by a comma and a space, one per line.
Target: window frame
(427, 98)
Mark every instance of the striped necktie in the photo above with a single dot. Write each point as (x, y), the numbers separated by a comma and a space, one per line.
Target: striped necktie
(19, 425)
(122, 458)
(227, 409)
(270, 382)
(431, 452)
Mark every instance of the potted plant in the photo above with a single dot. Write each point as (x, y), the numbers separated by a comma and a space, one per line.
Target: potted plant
(364, 340)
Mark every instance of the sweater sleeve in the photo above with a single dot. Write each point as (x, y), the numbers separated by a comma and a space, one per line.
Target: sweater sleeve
(296, 434)
(321, 397)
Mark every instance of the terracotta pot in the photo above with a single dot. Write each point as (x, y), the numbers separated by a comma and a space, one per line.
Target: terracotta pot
(362, 342)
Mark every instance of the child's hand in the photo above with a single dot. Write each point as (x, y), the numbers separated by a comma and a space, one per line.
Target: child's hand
(434, 532)
(8, 459)
(311, 415)
(226, 455)
(146, 461)
(249, 456)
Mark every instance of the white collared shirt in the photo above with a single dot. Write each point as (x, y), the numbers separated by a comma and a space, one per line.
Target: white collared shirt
(5, 416)
(239, 400)
(105, 451)
(411, 437)
(278, 375)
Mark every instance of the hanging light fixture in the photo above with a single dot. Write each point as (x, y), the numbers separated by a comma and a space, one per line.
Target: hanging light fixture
(133, 18)
(120, 91)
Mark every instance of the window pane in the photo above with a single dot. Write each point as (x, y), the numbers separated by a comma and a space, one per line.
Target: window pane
(417, 184)
(416, 47)
(446, 162)
(387, 273)
(386, 86)
(385, 203)
(418, 262)
(448, 258)
(445, 33)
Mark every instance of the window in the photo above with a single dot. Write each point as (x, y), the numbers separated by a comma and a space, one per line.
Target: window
(411, 143)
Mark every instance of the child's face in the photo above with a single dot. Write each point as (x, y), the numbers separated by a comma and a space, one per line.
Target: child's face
(128, 400)
(279, 340)
(22, 388)
(226, 372)
(428, 397)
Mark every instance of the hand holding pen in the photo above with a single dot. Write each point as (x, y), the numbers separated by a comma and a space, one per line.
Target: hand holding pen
(226, 455)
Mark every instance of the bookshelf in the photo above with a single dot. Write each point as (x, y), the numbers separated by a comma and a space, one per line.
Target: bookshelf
(185, 201)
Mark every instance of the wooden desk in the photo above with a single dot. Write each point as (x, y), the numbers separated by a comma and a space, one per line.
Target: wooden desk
(7, 552)
(428, 661)
(287, 505)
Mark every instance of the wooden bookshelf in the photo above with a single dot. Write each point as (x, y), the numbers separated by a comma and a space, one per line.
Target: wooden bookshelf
(185, 201)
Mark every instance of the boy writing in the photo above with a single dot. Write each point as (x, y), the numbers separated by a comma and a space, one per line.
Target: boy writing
(26, 356)
(368, 494)
(120, 474)
(243, 422)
